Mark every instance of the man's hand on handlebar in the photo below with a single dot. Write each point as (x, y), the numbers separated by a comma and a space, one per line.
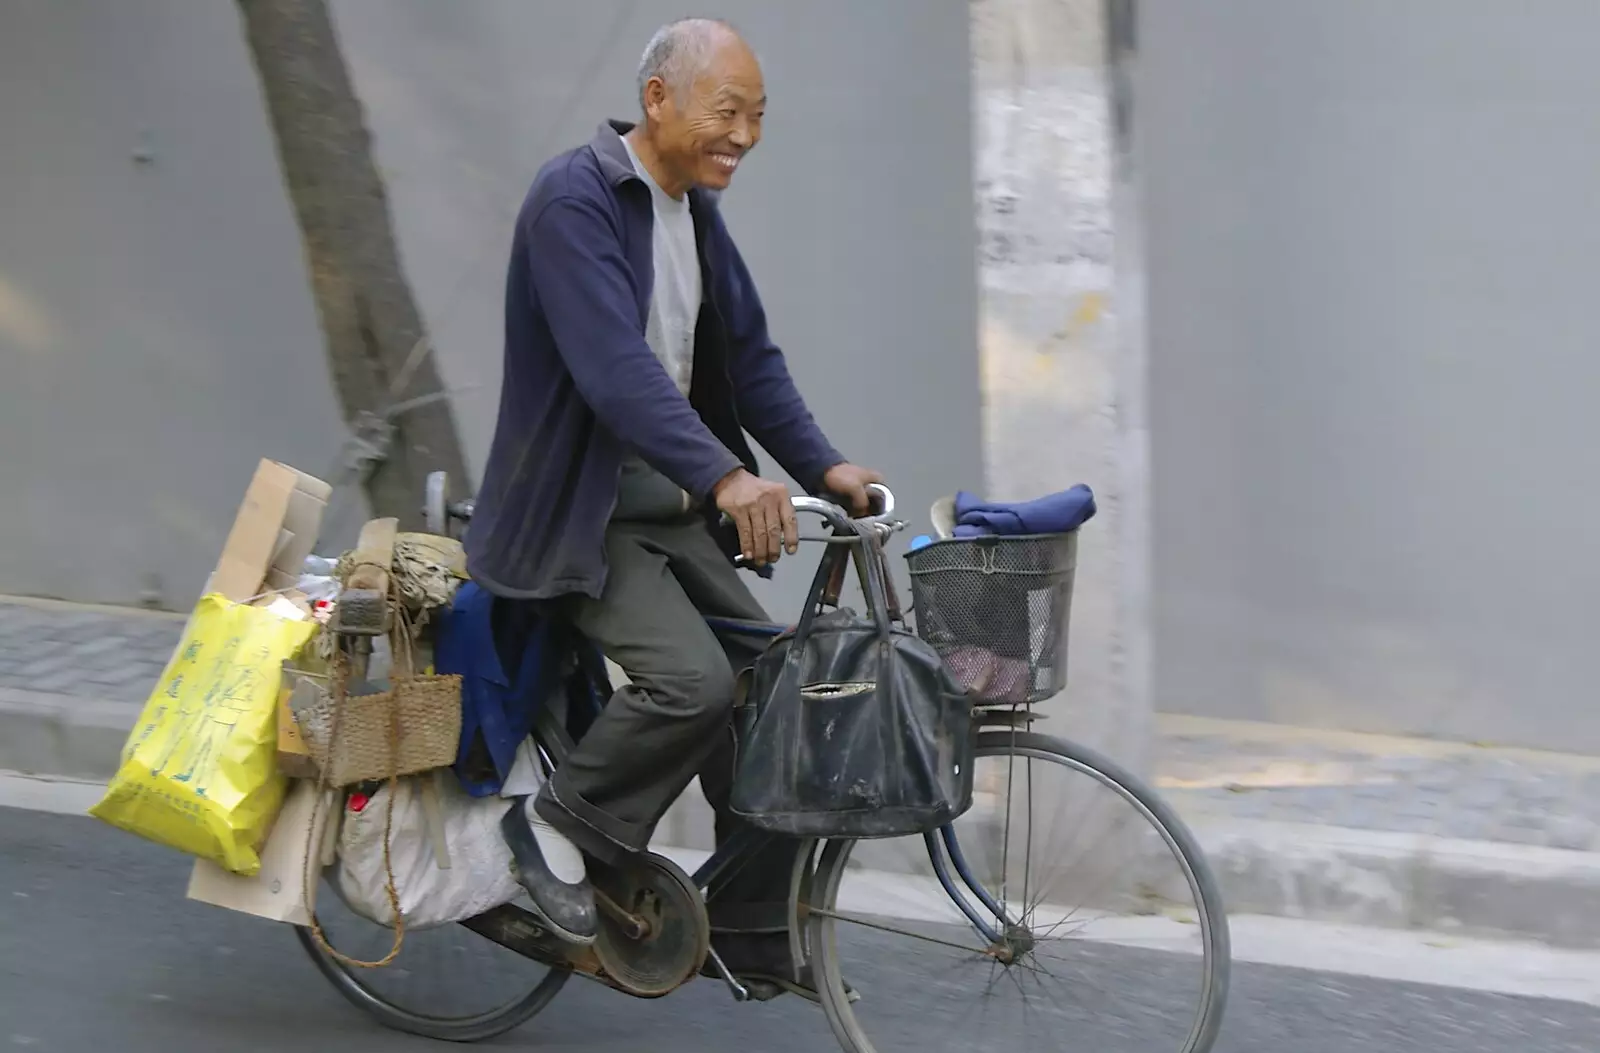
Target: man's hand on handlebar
(850, 482)
(761, 511)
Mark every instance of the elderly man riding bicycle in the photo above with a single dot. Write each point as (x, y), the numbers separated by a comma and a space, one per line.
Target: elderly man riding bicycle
(637, 360)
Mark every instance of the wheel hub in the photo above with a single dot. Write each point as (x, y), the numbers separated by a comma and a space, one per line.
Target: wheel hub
(1015, 944)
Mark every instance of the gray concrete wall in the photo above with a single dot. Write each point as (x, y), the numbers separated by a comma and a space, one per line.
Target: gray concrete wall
(1368, 234)
(156, 336)
(1372, 230)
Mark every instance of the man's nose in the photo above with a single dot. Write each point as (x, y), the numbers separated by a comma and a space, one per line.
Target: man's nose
(741, 135)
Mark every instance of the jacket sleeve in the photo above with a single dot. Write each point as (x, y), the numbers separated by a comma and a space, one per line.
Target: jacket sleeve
(770, 406)
(582, 282)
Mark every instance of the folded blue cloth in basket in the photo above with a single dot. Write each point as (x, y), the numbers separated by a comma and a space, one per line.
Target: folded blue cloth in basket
(1056, 514)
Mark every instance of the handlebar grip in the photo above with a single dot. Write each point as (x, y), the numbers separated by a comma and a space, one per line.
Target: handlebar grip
(885, 497)
(838, 517)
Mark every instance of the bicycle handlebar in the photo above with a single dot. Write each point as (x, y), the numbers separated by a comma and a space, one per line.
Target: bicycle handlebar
(841, 519)
(836, 515)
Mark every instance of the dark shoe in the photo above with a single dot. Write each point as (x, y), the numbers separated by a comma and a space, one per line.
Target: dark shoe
(568, 909)
(762, 962)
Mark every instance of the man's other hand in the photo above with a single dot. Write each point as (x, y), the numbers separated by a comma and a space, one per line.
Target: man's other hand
(762, 512)
(849, 482)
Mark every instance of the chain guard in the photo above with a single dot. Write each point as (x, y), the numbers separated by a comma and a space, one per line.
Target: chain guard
(673, 950)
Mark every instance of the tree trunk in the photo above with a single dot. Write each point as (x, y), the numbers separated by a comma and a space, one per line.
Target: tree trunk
(370, 321)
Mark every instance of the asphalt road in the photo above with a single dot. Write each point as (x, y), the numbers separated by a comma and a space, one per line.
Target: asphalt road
(99, 951)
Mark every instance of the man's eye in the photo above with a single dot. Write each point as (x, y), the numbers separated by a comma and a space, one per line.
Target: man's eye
(727, 115)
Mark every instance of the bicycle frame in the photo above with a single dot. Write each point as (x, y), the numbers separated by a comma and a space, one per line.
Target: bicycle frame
(736, 852)
(944, 850)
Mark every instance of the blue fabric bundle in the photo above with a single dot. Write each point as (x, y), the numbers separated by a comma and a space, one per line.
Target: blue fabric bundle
(1056, 514)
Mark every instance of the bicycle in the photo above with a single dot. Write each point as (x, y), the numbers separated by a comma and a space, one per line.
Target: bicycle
(655, 936)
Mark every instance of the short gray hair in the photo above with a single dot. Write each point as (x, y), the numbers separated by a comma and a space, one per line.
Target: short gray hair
(679, 51)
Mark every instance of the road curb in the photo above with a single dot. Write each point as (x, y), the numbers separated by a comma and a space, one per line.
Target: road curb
(1281, 869)
(1406, 881)
(61, 735)
(1368, 878)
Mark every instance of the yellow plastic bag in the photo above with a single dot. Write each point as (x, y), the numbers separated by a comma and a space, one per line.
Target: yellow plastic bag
(199, 772)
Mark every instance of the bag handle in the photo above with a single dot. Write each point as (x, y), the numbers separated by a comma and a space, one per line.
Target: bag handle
(402, 646)
(832, 566)
(874, 575)
(830, 595)
(871, 565)
(341, 675)
(897, 613)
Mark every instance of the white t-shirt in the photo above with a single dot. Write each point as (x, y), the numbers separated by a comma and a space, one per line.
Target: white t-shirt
(675, 299)
(676, 295)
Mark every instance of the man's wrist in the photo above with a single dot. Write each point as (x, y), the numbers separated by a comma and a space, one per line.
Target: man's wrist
(727, 480)
(822, 476)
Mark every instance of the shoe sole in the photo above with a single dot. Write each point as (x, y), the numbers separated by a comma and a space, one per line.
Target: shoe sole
(556, 930)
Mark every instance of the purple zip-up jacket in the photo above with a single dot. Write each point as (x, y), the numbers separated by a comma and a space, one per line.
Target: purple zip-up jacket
(582, 388)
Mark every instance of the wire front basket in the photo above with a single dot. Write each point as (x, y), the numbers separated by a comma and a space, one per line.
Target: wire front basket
(996, 609)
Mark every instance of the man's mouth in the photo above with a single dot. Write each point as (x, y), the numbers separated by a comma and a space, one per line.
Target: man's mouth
(726, 162)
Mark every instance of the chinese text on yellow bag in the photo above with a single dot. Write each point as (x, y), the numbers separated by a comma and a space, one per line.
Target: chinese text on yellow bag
(199, 772)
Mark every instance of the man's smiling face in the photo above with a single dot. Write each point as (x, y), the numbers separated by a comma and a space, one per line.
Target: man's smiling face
(704, 131)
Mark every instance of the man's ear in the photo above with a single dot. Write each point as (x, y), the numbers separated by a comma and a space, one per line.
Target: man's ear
(655, 97)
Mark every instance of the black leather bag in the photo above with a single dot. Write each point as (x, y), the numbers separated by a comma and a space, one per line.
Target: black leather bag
(852, 726)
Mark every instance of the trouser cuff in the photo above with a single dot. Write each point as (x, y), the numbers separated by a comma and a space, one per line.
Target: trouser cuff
(596, 833)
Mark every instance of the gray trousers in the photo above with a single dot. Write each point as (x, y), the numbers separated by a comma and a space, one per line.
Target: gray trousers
(673, 721)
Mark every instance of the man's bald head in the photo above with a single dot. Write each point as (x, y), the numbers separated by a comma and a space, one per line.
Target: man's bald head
(703, 99)
(681, 51)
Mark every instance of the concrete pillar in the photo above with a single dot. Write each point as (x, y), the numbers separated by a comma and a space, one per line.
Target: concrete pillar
(1062, 328)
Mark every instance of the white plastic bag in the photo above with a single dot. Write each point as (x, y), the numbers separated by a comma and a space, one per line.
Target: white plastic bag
(477, 876)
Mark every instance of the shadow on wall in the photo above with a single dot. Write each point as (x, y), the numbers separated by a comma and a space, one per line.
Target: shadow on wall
(25, 323)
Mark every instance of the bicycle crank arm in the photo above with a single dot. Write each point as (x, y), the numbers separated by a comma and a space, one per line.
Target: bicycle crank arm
(740, 992)
(635, 927)
(519, 930)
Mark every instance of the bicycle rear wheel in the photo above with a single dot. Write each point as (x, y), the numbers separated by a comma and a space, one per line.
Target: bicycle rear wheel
(979, 933)
(448, 983)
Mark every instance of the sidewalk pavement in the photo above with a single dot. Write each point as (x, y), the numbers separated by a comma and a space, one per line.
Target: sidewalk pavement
(1297, 822)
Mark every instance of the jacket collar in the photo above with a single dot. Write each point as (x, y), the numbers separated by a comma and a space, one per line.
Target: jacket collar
(617, 166)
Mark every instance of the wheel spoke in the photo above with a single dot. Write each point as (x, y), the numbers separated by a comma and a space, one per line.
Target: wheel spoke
(851, 919)
(1027, 849)
(1005, 838)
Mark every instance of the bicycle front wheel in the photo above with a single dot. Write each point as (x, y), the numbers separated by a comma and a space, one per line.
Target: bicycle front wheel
(1068, 909)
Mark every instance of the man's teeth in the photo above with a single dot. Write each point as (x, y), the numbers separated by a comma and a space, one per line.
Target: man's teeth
(727, 161)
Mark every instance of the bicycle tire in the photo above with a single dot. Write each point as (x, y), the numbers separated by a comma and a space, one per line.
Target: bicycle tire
(1213, 919)
(477, 1028)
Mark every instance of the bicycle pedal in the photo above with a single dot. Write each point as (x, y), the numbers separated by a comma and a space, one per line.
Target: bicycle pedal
(762, 990)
